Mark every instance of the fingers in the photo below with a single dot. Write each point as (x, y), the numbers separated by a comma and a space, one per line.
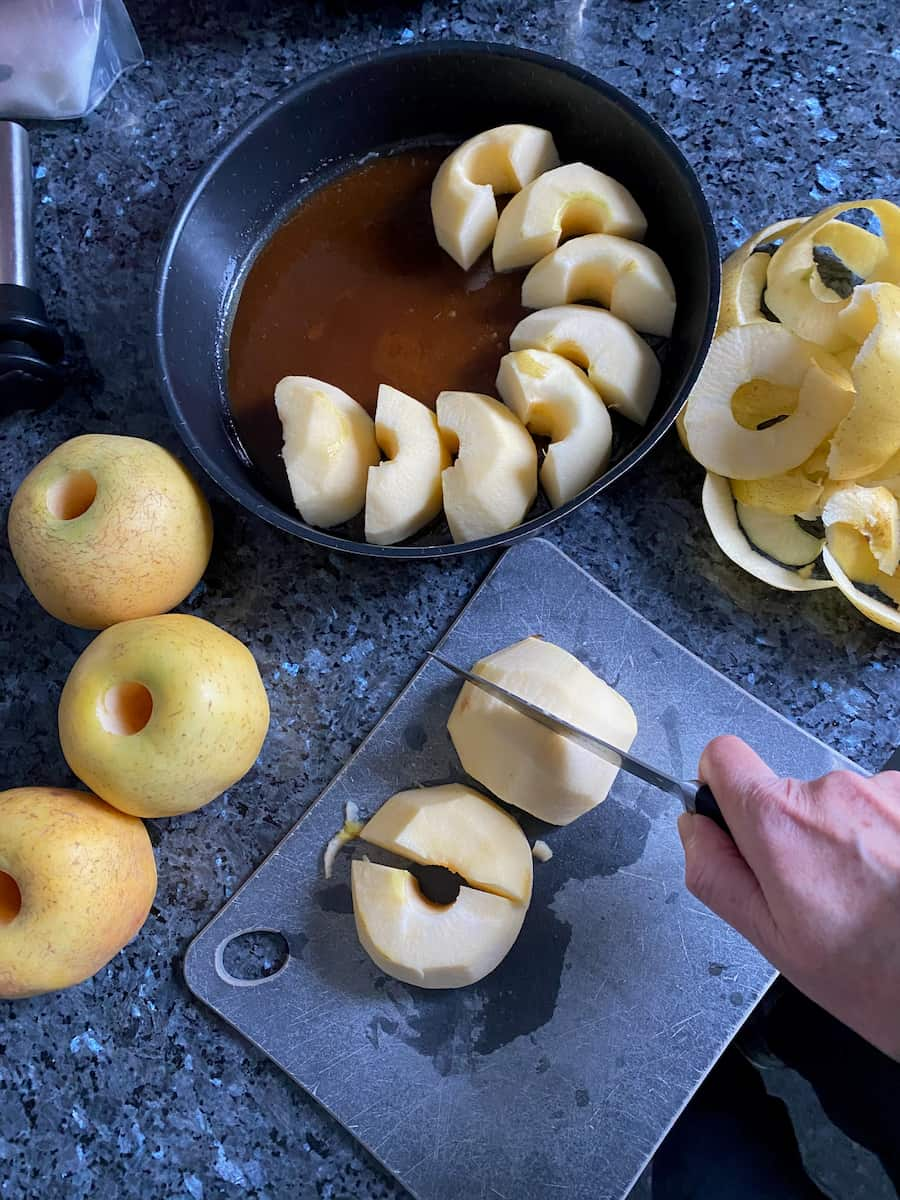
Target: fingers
(716, 873)
(728, 764)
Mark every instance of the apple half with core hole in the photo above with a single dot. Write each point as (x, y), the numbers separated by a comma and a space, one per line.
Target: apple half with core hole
(561, 203)
(404, 493)
(619, 363)
(523, 763)
(329, 445)
(553, 398)
(493, 482)
(161, 715)
(109, 528)
(77, 879)
(442, 945)
(629, 279)
(498, 161)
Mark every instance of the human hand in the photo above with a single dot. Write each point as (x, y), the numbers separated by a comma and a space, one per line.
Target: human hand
(812, 879)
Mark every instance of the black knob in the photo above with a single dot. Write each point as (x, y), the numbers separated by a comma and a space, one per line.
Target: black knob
(30, 348)
(31, 351)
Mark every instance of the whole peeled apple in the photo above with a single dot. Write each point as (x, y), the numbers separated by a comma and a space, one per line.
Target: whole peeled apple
(161, 715)
(109, 528)
(77, 879)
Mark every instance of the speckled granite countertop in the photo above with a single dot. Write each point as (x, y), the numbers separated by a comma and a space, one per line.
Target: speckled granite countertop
(124, 1087)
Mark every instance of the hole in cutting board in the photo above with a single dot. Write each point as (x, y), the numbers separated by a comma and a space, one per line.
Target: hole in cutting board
(252, 956)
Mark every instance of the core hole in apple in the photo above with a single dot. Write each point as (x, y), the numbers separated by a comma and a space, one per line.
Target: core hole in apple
(10, 899)
(72, 496)
(126, 708)
(254, 956)
(438, 885)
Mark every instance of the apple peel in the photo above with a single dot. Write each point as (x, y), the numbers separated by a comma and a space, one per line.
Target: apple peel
(873, 512)
(869, 435)
(795, 293)
(774, 354)
(886, 615)
(721, 516)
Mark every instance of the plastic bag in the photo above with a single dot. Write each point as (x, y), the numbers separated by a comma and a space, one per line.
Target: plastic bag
(59, 58)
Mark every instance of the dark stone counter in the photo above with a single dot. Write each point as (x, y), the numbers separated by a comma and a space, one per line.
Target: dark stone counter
(124, 1087)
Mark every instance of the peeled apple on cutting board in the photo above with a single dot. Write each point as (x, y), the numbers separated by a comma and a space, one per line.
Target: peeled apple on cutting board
(431, 945)
(796, 413)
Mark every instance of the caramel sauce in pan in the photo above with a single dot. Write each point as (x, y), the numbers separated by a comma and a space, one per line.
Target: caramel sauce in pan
(354, 289)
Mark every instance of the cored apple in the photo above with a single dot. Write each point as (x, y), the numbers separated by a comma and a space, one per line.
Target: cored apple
(77, 879)
(159, 716)
(109, 528)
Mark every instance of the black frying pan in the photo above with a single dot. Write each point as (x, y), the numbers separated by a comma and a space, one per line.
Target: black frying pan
(443, 92)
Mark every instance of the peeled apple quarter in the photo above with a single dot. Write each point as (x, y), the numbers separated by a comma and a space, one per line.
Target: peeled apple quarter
(404, 493)
(329, 445)
(499, 160)
(629, 279)
(442, 945)
(493, 482)
(824, 395)
(619, 363)
(569, 200)
(553, 398)
(521, 762)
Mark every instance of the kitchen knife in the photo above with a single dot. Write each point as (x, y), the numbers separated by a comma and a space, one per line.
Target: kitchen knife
(694, 796)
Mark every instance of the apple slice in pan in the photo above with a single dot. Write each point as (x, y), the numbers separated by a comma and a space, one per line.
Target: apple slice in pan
(498, 161)
(404, 493)
(442, 945)
(553, 398)
(523, 763)
(329, 445)
(619, 363)
(493, 482)
(569, 200)
(629, 279)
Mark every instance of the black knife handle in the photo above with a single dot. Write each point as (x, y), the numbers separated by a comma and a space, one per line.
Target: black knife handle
(706, 805)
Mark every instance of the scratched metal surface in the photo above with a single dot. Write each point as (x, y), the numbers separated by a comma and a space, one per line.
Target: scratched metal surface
(559, 1074)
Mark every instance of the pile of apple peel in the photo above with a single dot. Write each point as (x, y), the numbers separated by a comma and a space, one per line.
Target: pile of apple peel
(455, 827)
(575, 358)
(796, 413)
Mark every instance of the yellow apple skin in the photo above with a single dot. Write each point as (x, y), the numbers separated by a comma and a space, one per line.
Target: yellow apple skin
(137, 550)
(86, 876)
(209, 717)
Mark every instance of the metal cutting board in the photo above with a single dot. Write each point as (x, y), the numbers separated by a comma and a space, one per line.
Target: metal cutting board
(561, 1072)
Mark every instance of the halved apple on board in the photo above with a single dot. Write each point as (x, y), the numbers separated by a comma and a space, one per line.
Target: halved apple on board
(442, 945)
(523, 763)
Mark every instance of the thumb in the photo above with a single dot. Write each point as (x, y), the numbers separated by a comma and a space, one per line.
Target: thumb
(717, 874)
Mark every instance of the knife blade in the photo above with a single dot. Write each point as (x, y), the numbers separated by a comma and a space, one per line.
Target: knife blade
(695, 796)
